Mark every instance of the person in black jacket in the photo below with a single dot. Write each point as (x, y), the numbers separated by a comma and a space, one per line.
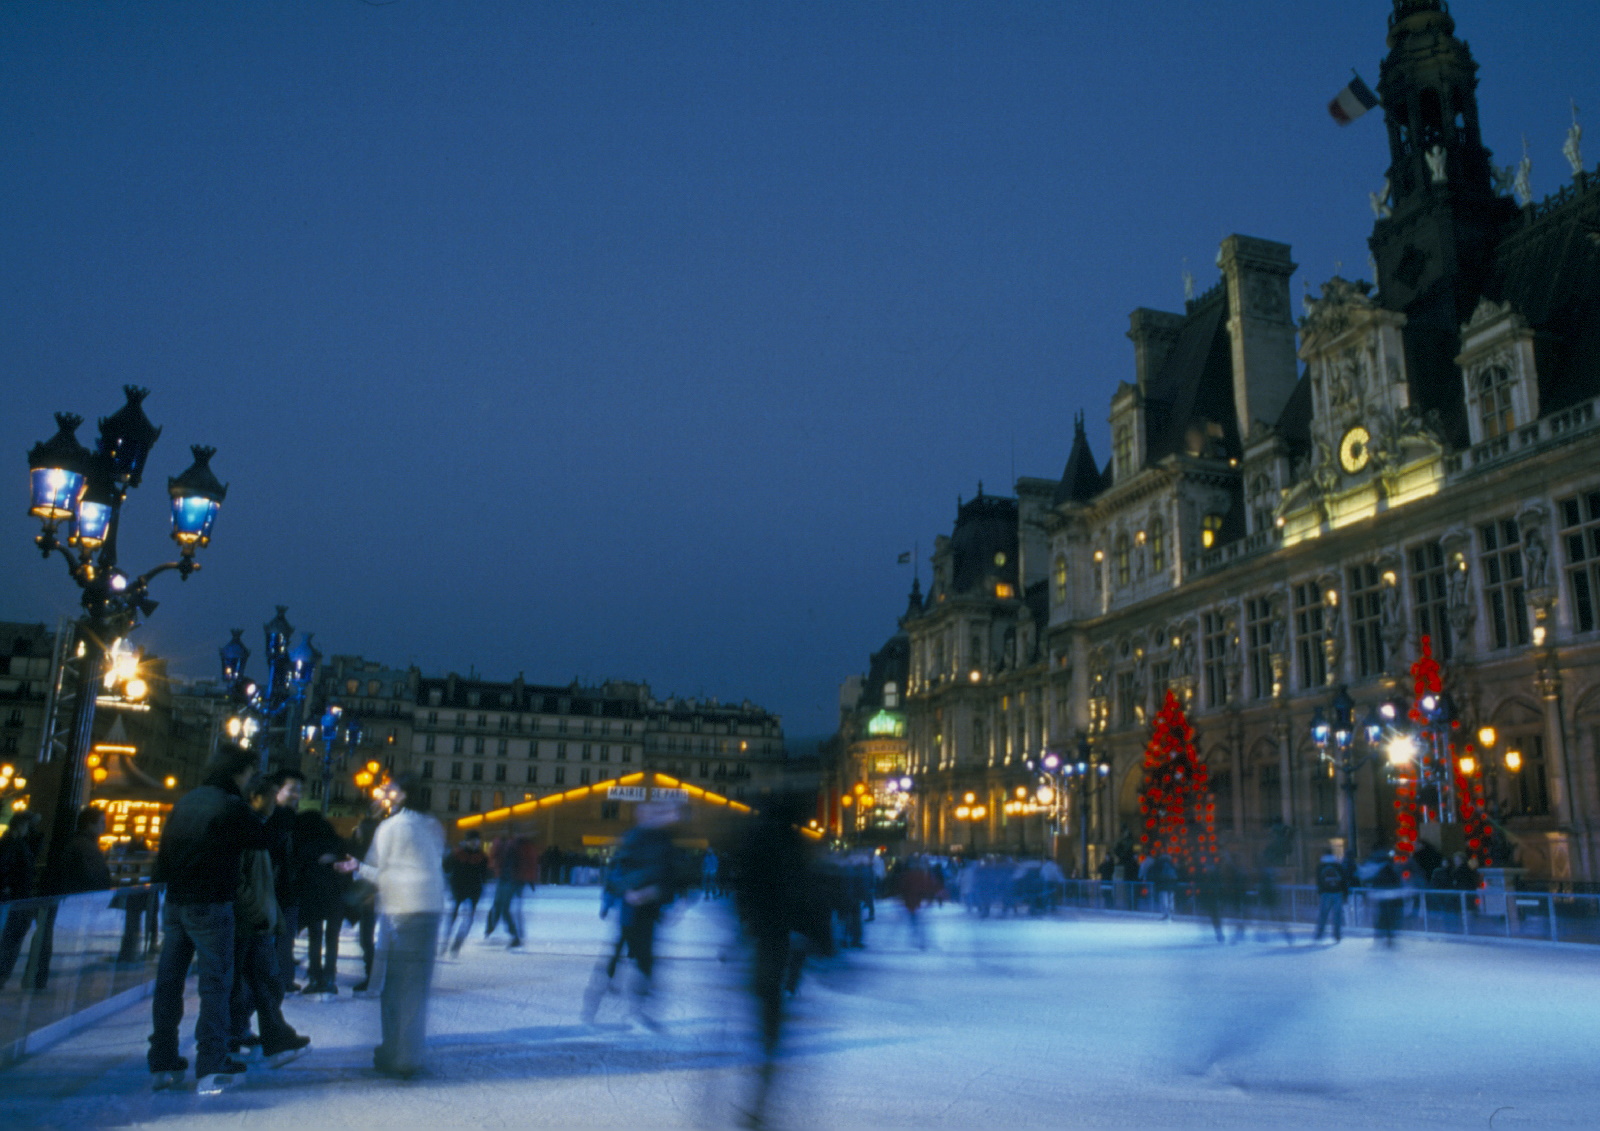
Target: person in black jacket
(18, 853)
(207, 832)
(280, 831)
(317, 847)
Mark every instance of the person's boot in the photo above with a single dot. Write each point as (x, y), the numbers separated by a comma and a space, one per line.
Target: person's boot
(229, 1073)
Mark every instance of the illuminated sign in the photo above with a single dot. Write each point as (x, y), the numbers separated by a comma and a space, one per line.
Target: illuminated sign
(887, 723)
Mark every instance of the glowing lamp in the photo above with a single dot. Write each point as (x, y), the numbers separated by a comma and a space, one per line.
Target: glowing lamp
(1320, 730)
(373, 767)
(92, 524)
(1051, 761)
(1402, 750)
(962, 812)
(905, 783)
(847, 800)
(92, 760)
(57, 468)
(1513, 760)
(303, 659)
(135, 689)
(1468, 764)
(171, 782)
(363, 779)
(1486, 736)
(969, 797)
(20, 783)
(100, 774)
(1373, 725)
(197, 495)
(1022, 791)
(979, 812)
(1046, 795)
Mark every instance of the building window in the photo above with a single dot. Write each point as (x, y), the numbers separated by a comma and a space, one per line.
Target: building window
(1222, 797)
(428, 744)
(433, 718)
(477, 801)
(1061, 579)
(1580, 530)
(1429, 589)
(605, 753)
(457, 769)
(705, 771)
(1126, 713)
(583, 776)
(610, 810)
(500, 773)
(1261, 504)
(1210, 530)
(461, 719)
(505, 722)
(1122, 449)
(502, 748)
(1502, 584)
(1365, 589)
(477, 771)
(483, 722)
(1310, 632)
(1124, 568)
(586, 749)
(627, 753)
(561, 775)
(1494, 402)
(1529, 791)
(425, 797)
(1258, 637)
(1324, 808)
(1158, 545)
(454, 804)
(561, 751)
(427, 769)
(1214, 644)
(477, 746)
(1269, 794)
(458, 745)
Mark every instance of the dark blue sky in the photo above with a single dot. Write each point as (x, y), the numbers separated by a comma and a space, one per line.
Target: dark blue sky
(638, 340)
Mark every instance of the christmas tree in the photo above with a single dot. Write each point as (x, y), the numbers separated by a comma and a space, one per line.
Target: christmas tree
(1175, 799)
(1427, 679)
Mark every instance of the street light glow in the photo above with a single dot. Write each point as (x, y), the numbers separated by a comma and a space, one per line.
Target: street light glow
(1402, 750)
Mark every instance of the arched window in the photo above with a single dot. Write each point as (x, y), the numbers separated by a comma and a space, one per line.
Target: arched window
(1494, 402)
(1061, 579)
(1124, 567)
(1158, 545)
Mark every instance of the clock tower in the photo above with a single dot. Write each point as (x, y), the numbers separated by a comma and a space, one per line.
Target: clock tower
(1435, 247)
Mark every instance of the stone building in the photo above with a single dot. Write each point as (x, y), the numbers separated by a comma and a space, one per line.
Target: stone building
(481, 746)
(1290, 507)
(863, 796)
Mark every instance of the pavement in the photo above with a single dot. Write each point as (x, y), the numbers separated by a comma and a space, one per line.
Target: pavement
(1062, 1022)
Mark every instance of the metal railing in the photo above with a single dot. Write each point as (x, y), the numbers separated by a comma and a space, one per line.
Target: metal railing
(61, 956)
(1557, 917)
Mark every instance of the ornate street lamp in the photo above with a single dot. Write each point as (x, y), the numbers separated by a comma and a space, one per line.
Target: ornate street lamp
(336, 724)
(1336, 734)
(273, 708)
(81, 492)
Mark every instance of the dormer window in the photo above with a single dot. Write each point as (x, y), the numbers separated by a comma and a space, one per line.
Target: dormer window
(1261, 507)
(1122, 449)
(1495, 409)
(1210, 530)
(1061, 579)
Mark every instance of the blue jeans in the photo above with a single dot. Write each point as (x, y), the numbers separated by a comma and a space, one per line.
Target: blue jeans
(203, 931)
(1331, 912)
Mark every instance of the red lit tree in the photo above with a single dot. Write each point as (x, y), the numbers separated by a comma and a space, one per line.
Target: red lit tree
(1427, 679)
(1175, 799)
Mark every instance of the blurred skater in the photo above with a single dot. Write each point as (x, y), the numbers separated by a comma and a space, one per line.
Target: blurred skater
(467, 868)
(405, 863)
(643, 879)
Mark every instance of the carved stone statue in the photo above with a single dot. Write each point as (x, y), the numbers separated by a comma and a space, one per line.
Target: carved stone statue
(1333, 627)
(1436, 164)
(1380, 201)
(1522, 184)
(1536, 555)
(1505, 177)
(1573, 150)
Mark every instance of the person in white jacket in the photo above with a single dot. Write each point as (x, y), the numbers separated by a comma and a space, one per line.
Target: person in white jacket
(406, 861)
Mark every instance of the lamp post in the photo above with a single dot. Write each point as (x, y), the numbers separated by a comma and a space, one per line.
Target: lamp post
(77, 495)
(337, 726)
(971, 812)
(1336, 733)
(273, 709)
(1090, 774)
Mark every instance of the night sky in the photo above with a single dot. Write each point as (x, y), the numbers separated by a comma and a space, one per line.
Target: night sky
(638, 340)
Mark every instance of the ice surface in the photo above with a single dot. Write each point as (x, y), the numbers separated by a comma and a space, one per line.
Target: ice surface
(1006, 1023)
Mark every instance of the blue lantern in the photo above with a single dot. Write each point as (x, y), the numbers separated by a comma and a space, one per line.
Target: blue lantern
(303, 659)
(1320, 731)
(58, 469)
(197, 494)
(126, 436)
(235, 654)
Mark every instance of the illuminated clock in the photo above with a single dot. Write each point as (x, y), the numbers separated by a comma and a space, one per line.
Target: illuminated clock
(1353, 449)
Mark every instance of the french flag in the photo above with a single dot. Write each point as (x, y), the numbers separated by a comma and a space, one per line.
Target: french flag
(1352, 102)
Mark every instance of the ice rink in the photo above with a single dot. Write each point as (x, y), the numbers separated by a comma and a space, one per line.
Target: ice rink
(1093, 1022)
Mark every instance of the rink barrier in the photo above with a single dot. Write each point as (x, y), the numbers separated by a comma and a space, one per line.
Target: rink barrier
(75, 959)
(1549, 917)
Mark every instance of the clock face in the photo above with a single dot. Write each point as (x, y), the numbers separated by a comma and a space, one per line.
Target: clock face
(1353, 450)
